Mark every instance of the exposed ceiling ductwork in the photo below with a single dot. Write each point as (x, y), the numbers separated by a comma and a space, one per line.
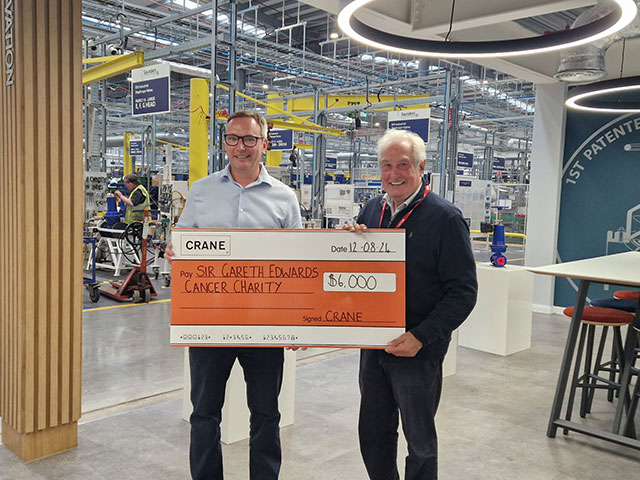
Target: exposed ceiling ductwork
(586, 63)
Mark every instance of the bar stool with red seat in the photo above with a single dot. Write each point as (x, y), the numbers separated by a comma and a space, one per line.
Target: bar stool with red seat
(628, 428)
(590, 380)
(630, 295)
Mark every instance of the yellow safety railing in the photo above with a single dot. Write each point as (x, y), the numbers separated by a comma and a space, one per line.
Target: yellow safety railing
(506, 234)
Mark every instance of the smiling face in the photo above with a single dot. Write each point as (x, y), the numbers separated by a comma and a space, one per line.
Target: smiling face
(245, 161)
(399, 173)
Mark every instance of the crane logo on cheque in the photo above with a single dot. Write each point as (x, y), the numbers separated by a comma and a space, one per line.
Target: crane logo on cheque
(209, 245)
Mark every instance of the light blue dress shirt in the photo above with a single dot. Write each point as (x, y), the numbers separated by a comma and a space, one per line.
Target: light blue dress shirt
(218, 201)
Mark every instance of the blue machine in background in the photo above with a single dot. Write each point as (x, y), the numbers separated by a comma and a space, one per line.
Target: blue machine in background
(112, 216)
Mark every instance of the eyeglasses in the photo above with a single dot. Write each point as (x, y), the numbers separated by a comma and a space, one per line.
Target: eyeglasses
(247, 140)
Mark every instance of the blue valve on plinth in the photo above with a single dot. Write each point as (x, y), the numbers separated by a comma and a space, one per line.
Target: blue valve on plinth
(498, 247)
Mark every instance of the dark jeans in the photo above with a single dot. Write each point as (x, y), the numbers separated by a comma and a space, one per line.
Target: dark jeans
(210, 369)
(410, 386)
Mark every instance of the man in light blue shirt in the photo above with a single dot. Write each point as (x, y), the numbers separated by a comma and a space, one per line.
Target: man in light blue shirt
(243, 195)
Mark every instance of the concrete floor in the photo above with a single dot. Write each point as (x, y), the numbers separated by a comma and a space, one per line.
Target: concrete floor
(492, 420)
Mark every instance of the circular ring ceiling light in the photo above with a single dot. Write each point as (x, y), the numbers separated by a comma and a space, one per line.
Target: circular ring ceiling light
(585, 97)
(623, 13)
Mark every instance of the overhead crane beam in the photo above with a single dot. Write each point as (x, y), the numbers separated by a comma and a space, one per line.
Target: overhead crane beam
(302, 128)
(113, 66)
(409, 104)
(297, 123)
(376, 84)
(349, 103)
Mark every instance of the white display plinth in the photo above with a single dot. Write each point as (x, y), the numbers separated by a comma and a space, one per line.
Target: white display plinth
(500, 323)
(235, 413)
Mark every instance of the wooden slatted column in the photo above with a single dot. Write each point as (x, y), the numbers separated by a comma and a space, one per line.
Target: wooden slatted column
(41, 225)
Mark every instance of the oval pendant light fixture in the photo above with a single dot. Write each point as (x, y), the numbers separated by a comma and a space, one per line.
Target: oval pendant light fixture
(596, 97)
(623, 13)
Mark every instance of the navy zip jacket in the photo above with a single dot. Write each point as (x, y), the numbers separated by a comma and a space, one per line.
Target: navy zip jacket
(441, 284)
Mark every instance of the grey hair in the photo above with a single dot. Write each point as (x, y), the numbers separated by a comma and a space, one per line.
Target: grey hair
(394, 135)
(260, 120)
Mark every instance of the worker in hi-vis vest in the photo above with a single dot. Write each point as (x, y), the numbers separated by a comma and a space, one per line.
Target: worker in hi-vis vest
(137, 201)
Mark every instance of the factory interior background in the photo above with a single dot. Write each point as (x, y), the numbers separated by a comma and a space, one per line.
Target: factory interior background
(83, 357)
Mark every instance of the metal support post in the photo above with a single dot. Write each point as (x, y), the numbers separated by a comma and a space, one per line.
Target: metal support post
(452, 154)
(487, 170)
(301, 164)
(127, 164)
(233, 29)
(85, 114)
(353, 160)
(148, 142)
(200, 111)
(212, 85)
(103, 110)
(151, 153)
(445, 133)
(319, 155)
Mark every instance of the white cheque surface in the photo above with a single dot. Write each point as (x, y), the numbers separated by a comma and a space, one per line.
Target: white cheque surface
(373, 245)
(287, 287)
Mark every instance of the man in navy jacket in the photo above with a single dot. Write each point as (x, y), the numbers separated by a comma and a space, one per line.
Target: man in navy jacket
(441, 288)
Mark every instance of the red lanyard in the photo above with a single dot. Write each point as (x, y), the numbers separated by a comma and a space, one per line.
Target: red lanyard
(408, 214)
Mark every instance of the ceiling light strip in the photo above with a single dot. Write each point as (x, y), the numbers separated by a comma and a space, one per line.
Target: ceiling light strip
(586, 97)
(623, 13)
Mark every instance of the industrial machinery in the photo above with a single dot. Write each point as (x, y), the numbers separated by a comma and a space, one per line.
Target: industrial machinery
(113, 251)
(90, 282)
(111, 216)
(137, 285)
(338, 204)
(171, 202)
(95, 193)
(513, 199)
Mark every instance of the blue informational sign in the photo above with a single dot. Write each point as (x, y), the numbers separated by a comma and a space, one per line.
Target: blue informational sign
(135, 145)
(499, 163)
(331, 163)
(281, 139)
(465, 183)
(150, 87)
(465, 159)
(459, 172)
(416, 121)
